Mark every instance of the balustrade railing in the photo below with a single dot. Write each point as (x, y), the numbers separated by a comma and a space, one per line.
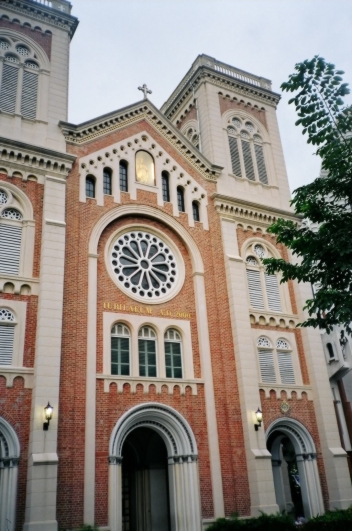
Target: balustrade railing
(60, 5)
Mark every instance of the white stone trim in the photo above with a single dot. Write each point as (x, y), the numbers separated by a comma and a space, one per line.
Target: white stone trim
(10, 373)
(8, 475)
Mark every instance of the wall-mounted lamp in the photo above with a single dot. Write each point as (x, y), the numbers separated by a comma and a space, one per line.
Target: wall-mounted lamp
(48, 413)
(259, 417)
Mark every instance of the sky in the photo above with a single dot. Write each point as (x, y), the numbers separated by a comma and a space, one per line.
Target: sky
(121, 44)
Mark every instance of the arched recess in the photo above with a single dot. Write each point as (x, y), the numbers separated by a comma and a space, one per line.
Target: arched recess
(9, 459)
(204, 346)
(306, 458)
(20, 38)
(185, 511)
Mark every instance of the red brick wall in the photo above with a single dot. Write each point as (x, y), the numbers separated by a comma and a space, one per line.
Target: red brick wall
(41, 38)
(227, 104)
(15, 408)
(81, 218)
(191, 115)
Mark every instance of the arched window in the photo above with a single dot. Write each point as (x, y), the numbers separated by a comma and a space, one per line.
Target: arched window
(275, 365)
(173, 353)
(123, 176)
(145, 172)
(264, 291)
(180, 199)
(15, 57)
(195, 210)
(120, 350)
(147, 351)
(193, 136)
(165, 186)
(7, 332)
(107, 181)
(90, 186)
(246, 150)
(10, 235)
(330, 351)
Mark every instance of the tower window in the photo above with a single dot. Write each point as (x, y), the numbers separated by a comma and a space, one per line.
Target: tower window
(107, 181)
(330, 351)
(180, 199)
(123, 176)
(147, 351)
(275, 365)
(195, 211)
(120, 350)
(7, 331)
(10, 237)
(173, 354)
(165, 186)
(264, 290)
(90, 186)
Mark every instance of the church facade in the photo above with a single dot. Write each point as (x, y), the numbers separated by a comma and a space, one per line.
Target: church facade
(151, 373)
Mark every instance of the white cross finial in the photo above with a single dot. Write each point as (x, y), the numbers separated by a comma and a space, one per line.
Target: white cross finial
(145, 91)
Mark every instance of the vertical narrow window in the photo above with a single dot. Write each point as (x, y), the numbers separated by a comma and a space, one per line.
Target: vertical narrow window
(235, 156)
(107, 181)
(180, 199)
(195, 210)
(266, 360)
(147, 352)
(29, 93)
(330, 351)
(165, 186)
(248, 161)
(90, 186)
(273, 292)
(173, 354)
(10, 241)
(7, 332)
(284, 358)
(120, 350)
(123, 176)
(9, 82)
(261, 164)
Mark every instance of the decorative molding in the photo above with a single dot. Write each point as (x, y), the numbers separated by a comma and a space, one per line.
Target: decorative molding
(207, 69)
(55, 222)
(33, 160)
(10, 373)
(45, 14)
(144, 110)
(19, 284)
(134, 381)
(251, 214)
(288, 389)
(267, 318)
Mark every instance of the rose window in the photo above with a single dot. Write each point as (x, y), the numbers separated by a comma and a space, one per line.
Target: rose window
(144, 265)
(3, 197)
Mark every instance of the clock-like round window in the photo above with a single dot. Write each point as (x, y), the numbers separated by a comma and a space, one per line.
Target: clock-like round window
(145, 266)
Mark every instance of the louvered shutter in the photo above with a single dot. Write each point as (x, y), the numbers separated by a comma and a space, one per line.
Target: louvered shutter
(10, 249)
(6, 344)
(273, 293)
(29, 95)
(287, 374)
(261, 164)
(255, 289)
(120, 356)
(267, 367)
(248, 162)
(8, 91)
(235, 157)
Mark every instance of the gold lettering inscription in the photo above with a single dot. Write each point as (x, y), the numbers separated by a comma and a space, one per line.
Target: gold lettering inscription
(177, 314)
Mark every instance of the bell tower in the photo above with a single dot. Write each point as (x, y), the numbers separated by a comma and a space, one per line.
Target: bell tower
(35, 40)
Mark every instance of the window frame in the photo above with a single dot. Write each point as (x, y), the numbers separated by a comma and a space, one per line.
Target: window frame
(92, 180)
(120, 336)
(151, 340)
(123, 179)
(107, 175)
(173, 341)
(180, 193)
(19, 310)
(195, 204)
(165, 186)
(276, 351)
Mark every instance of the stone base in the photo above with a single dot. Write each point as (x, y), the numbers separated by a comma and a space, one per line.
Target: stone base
(340, 504)
(257, 510)
(50, 525)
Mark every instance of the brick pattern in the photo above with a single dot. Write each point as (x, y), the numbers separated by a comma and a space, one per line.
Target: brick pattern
(15, 408)
(191, 115)
(303, 411)
(81, 218)
(41, 38)
(226, 104)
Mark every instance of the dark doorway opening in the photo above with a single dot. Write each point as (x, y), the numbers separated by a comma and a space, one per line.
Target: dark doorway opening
(145, 485)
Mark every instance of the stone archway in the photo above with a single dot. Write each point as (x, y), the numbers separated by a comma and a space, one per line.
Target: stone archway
(181, 448)
(9, 458)
(294, 461)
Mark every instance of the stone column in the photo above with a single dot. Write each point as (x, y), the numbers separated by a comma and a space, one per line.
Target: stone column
(43, 460)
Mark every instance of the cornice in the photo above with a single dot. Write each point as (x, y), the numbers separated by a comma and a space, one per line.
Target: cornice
(206, 74)
(43, 13)
(143, 110)
(250, 213)
(28, 159)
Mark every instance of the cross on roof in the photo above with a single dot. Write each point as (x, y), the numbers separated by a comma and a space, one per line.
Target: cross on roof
(145, 91)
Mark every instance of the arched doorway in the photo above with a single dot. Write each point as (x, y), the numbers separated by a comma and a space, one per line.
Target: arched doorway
(295, 471)
(153, 453)
(9, 458)
(145, 487)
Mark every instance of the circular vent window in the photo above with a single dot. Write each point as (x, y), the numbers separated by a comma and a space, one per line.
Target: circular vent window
(146, 267)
